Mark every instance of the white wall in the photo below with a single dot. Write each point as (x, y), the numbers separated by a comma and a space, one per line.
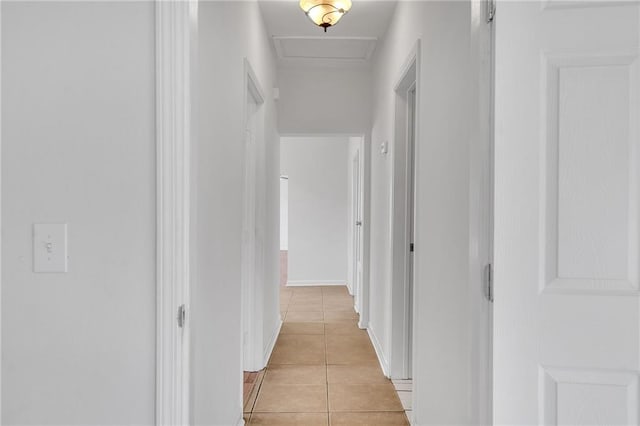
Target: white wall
(443, 375)
(324, 100)
(318, 210)
(228, 32)
(78, 146)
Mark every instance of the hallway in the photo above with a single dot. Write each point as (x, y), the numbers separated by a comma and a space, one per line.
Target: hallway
(323, 369)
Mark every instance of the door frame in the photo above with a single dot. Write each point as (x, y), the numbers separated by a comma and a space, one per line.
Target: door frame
(481, 187)
(355, 216)
(366, 212)
(356, 195)
(0, 214)
(400, 293)
(254, 356)
(176, 29)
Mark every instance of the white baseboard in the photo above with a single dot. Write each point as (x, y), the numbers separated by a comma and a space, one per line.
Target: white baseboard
(272, 343)
(350, 288)
(363, 325)
(381, 358)
(309, 283)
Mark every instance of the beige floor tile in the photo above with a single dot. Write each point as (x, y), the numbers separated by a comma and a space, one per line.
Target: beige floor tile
(346, 327)
(338, 297)
(300, 342)
(285, 300)
(292, 399)
(350, 349)
(299, 349)
(304, 307)
(328, 300)
(348, 341)
(306, 298)
(351, 357)
(304, 317)
(246, 417)
(297, 291)
(354, 398)
(356, 374)
(369, 419)
(296, 374)
(340, 316)
(299, 419)
(335, 290)
(336, 307)
(302, 328)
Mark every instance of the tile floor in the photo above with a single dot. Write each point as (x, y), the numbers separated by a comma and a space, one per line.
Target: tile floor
(323, 370)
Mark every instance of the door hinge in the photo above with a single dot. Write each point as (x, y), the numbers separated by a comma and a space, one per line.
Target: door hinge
(488, 282)
(182, 316)
(411, 247)
(491, 10)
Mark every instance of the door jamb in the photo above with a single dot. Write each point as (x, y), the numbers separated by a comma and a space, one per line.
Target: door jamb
(399, 216)
(251, 295)
(481, 186)
(176, 23)
(0, 213)
(357, 216)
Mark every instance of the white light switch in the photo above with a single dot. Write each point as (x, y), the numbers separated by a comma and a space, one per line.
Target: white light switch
(50, 247)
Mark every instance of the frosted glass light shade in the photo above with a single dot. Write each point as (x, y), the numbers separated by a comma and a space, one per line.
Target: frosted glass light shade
(325, 13)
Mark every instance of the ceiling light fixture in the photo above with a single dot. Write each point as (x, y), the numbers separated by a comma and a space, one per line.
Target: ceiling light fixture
(325, 13)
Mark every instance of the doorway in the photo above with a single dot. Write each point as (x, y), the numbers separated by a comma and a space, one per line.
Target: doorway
(284, 230)
(402, 220)
(253, 227)
(356, 224)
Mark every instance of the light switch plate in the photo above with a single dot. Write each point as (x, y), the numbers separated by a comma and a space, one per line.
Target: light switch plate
(50, 247)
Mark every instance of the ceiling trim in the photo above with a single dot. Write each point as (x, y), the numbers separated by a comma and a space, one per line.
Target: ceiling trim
(278, 42)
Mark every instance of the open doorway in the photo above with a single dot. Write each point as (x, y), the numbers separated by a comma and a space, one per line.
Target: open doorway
(253, 227)
(356, 224)
(402, 220)
(284, 230)
(316, 210)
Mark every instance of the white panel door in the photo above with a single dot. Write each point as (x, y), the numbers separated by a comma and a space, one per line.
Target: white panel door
(567, 323)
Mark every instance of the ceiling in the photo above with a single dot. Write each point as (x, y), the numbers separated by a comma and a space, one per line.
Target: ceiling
(297, 40)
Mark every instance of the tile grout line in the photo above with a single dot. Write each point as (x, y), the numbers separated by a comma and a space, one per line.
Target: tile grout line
(266, 368)
(326, 358)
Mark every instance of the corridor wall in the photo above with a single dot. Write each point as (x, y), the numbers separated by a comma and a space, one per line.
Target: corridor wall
(443, 373)
(229, 32)
(78, 147)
